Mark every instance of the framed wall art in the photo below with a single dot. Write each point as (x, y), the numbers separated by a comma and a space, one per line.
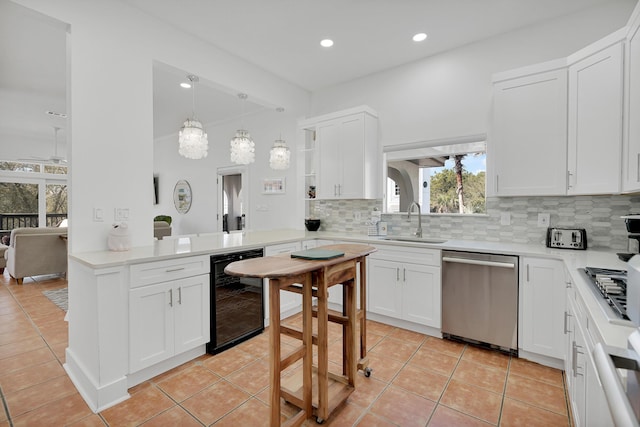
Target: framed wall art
(273, 186)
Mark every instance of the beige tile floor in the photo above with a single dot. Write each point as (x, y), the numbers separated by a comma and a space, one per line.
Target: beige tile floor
(416, 381)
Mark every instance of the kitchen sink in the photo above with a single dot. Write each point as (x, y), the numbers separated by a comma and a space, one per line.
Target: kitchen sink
(414, 239)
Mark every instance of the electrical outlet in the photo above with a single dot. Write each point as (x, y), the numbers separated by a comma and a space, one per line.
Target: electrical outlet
(505, 218)
(543, 219)
(357, 215)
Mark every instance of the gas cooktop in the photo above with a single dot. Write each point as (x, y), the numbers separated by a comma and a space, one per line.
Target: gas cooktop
(610, 288)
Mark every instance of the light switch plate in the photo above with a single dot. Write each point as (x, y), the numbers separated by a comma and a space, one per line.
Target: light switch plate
(98, 214)
(121, 214)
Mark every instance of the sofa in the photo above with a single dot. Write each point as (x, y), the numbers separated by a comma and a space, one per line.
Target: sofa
(161, 229)
(3, 262)
(36, 251)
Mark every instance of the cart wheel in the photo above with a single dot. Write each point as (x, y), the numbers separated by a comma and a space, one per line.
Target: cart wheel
(319, 420)
(367, 372)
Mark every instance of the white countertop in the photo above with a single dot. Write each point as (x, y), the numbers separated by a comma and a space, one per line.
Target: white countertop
(614, 335)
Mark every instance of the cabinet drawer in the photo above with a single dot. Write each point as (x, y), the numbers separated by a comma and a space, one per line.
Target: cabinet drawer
(281, 249)
(168, 270)
(424, 256)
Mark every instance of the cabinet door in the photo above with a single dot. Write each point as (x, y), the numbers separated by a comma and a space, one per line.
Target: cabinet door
(631, 157)
(421, 298)
(543, 296)
(191, 312)
(384, 288)
(330, 159)
(595, 123)
(528, 138)
(151, 325)
(351, 157)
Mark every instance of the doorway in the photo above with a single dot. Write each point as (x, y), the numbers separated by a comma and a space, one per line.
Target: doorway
(233, 206)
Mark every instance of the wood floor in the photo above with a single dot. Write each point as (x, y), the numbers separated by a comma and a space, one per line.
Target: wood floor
(416, 381)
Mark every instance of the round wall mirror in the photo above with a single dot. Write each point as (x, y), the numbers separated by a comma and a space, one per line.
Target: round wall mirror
(182, 196)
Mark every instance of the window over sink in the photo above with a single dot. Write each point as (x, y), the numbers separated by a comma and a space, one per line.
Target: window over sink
(443, 176)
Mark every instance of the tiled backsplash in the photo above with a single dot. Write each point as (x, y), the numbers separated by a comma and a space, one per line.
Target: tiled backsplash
(599, 215)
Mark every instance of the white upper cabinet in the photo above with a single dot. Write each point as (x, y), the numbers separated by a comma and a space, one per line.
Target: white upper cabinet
(347, 149)
(557, 128)
(631, 148)
(595, 119)
(528, 136)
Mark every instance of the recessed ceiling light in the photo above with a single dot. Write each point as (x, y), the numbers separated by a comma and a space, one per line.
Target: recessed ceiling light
(185, 85)
(419, 37)
(326, 43)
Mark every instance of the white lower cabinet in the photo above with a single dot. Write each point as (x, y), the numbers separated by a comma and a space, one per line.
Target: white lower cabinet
(166, 319)
(404, 283)
(588, 403)
(542, 304)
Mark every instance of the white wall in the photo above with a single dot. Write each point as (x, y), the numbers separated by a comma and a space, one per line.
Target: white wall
(264, 128)
(112, 47)
(448, 95)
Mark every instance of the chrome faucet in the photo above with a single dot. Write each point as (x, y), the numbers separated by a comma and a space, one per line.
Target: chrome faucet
(418, 232)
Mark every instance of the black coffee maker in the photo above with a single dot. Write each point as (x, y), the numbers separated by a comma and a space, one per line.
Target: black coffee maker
(632, 221)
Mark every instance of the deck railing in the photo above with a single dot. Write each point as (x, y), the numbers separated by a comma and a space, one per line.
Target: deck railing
(10, 221)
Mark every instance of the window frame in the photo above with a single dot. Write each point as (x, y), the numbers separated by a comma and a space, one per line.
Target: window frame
(407, 151)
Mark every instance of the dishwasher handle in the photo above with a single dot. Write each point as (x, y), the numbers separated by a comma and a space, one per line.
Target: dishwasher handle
(479, 262)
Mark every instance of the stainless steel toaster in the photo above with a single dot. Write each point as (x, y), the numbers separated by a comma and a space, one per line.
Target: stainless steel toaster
(567, 238)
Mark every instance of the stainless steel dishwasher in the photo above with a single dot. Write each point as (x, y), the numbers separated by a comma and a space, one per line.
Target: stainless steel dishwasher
(480, 298)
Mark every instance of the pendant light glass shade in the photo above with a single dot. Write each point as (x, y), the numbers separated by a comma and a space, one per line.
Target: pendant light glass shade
(192, 139)
(243, 149)
(280, 155)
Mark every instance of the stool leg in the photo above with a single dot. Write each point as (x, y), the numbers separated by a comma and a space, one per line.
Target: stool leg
(323, 360)
(307, 340)
(274, 350)
(349, 348)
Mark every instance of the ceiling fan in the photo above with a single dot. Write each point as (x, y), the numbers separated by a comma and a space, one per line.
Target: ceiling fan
(56, 159)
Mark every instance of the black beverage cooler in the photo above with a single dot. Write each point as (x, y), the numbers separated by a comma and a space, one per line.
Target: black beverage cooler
(237, 303)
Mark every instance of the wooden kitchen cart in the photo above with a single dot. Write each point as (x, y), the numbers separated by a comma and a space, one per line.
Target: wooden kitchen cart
(313, 389)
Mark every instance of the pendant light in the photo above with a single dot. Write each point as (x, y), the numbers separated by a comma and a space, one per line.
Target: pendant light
(243, 149)
(280, 156)
(192, 137)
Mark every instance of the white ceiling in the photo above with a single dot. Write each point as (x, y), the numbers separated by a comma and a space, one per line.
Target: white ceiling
(281, 36)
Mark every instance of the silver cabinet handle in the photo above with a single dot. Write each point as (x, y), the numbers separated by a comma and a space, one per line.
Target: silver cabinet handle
(566, 323)
(575, 359)
(497, 183)
(397, 274)
(170, 270)
(404, 274)
(180, 295)
(569, 284)
(478, 262)
(569, 175)
(527, 272)
(170, 297)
